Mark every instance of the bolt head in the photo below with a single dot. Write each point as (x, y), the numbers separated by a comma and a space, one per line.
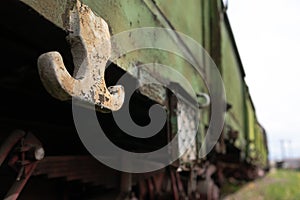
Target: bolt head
(39, 153)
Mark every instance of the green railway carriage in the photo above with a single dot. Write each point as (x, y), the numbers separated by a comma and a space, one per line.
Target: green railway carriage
(42, 155)
(248, 140)
(256, 150)
(233, 77)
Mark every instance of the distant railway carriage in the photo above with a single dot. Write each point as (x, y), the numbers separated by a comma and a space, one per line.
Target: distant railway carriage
(41, 154)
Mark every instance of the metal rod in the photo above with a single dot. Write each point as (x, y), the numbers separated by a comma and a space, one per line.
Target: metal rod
(17, 187)
(9, 143)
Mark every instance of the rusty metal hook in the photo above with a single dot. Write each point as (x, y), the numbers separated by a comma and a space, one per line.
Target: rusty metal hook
(91, 48)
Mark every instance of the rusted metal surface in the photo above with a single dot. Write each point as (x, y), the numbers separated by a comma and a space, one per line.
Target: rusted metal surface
(81, 168)
(91, 48)
(24, 159)
(174, 186)
(164, 184)
(9, 143)
(155, 91)
(17, 187)
(207, 187)
(187, 128)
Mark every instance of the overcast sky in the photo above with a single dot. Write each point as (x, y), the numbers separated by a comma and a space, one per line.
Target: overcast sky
(267, 34)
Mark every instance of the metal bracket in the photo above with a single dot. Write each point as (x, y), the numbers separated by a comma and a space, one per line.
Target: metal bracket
(207, 100)
(91, 48)
(23, 158)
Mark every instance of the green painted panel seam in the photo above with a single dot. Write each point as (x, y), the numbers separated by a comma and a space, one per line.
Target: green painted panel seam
(167, 24)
